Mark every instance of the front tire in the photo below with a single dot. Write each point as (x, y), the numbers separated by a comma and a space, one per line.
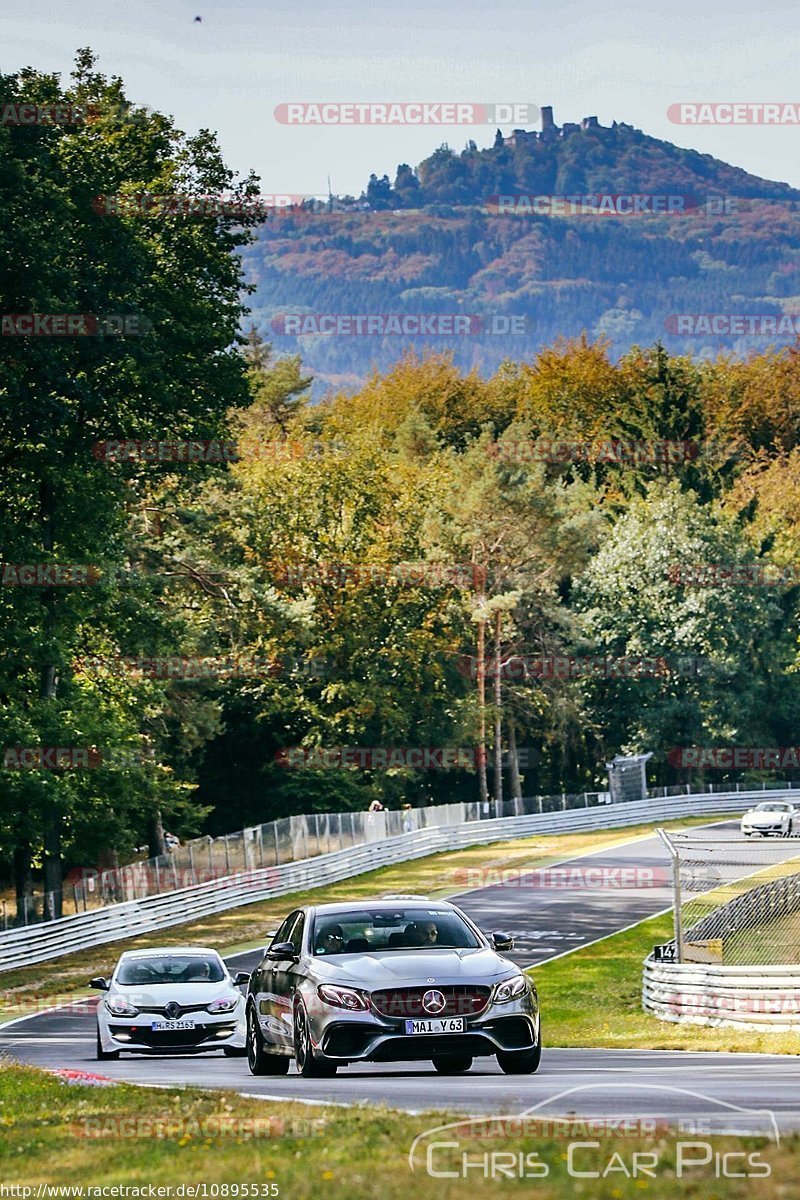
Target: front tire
(258, 1060)
(453, 1064)
(521, 1062)
(105, 1055)
(307, 1065)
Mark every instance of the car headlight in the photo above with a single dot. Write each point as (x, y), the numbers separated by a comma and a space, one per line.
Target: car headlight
(510, 989)
(223, 1004)
(118, 1006)
(342, 997)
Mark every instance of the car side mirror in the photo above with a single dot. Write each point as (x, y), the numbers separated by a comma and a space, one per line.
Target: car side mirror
(241, 978)
(283, 950)
(99, 983)
(503, 941)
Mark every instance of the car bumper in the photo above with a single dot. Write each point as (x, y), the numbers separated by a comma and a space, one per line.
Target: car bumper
(362, 1037)
(211, 1033)
(767, 827)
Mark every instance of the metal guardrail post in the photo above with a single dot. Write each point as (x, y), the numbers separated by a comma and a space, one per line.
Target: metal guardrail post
(676, 887)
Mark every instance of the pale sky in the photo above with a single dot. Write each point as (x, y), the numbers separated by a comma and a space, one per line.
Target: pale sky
(229, 72)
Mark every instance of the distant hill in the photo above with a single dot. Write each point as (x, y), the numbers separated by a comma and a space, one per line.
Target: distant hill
(431, 242)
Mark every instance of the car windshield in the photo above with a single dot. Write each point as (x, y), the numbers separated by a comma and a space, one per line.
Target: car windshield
(767, 807)
(367, 930)
(174, 968)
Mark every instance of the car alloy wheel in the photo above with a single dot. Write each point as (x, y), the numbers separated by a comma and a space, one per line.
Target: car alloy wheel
(259, 1060)
(307, 1065)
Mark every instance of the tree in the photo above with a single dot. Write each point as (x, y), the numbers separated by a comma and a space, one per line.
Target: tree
(179, 282)
(632, 603)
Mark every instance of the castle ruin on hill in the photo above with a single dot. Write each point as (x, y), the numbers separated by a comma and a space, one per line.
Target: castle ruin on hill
(551, 132)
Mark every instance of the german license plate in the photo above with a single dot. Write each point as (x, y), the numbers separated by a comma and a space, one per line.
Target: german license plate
(436, 1025)
(172, 1026)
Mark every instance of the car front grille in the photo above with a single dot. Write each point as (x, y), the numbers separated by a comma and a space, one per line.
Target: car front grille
(143, 1035)
(179, 1010)
(461, 1000)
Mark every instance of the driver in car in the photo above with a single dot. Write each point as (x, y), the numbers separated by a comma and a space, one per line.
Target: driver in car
(331, 940)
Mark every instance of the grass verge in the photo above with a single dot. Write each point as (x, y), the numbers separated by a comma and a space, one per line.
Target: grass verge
(87, 1137)
(593, 997)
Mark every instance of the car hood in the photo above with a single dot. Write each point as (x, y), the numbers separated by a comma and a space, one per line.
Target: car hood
(772, 814)
(409, 968)
(182, 993)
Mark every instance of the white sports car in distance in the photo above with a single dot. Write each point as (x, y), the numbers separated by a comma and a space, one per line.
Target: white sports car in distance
(771, 816)
(179, 1000)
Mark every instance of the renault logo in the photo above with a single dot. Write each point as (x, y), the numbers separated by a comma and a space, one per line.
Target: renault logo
(433, 1001)
(173, 1010)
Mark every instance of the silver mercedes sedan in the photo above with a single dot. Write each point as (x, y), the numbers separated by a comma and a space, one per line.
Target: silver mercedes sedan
(400, 979)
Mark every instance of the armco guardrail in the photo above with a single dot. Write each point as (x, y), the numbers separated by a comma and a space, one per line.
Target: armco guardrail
(39, 943)
(291, 839)
(759, 998)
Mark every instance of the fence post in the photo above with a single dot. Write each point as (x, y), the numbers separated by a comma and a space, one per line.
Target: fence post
(277, 844)
(564, 801)
(227, 856)
(585, 799)
(191, 862)
(676, 888)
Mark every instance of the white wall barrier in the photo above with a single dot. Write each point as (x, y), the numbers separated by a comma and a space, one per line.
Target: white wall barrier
(760, 998)
(115, 922)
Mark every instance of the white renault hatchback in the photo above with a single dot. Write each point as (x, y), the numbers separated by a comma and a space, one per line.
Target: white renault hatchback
(179, 1000)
